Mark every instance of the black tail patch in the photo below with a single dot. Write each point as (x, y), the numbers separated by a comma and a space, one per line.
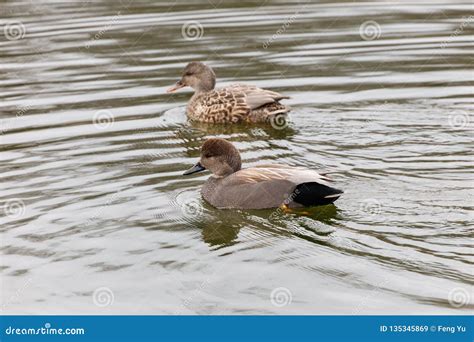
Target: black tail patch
(312, 193)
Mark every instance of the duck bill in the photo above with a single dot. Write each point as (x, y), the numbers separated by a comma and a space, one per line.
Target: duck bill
(196, 168)
(177, 86)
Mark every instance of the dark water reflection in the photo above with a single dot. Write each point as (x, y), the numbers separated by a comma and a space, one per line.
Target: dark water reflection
(93, 149)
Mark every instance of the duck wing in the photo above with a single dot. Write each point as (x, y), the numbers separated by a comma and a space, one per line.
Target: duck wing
(219, 105)
(230, 104)
(256, 97)
(272, 172)
(269, 187)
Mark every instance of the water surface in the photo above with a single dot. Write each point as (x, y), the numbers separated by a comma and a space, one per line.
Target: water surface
(96, 217)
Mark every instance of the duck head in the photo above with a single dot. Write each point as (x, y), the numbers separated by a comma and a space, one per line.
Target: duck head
(218, 156)
(196, 75)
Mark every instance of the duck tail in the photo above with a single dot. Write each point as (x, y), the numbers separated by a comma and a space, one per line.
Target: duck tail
(270, 112)
(275, 108)
(312, 193)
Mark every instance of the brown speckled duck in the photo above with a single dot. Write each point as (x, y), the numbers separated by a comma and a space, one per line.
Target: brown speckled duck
(232, 104)
(258, 187)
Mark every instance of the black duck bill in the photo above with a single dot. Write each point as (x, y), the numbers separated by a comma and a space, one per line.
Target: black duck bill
(196, 168)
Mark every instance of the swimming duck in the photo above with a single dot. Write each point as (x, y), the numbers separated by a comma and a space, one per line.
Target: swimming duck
(235, 103)
(258, 187)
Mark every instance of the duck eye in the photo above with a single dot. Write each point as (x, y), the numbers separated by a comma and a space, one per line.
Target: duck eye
(188, 73)
(208, 155)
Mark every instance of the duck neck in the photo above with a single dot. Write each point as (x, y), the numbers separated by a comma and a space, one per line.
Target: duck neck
(206, 84)
(224, 172)
(233, 164)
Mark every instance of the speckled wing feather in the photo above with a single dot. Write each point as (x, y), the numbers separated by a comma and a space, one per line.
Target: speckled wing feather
(220, 105)
(230, 104)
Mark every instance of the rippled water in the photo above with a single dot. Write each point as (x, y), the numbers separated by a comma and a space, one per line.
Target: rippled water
(96, 217)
